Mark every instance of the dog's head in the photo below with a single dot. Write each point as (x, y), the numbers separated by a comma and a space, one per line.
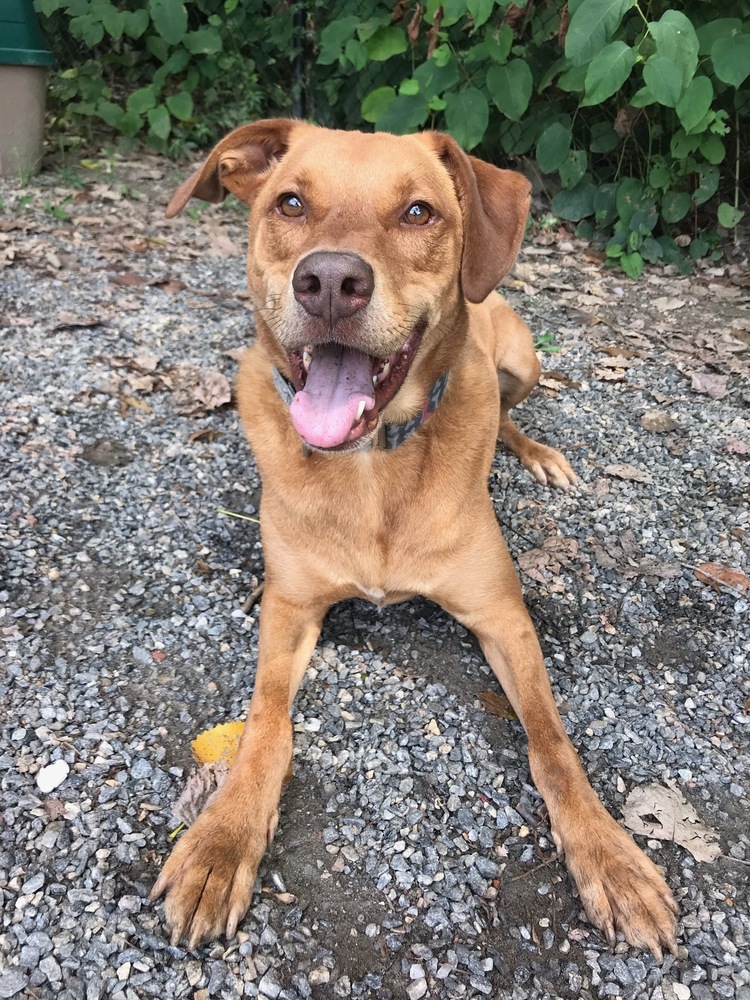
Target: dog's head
(361, 248)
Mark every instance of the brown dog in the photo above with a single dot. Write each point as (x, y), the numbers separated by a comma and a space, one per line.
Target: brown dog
(372, 265)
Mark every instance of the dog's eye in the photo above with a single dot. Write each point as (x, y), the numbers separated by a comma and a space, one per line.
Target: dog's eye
(291, 206)
(418, 214)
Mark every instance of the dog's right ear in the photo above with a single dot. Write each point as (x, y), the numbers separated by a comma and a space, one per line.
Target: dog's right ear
(239, 163)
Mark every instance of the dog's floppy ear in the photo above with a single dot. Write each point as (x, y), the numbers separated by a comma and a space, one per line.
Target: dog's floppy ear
(238, 164)
(494, 204)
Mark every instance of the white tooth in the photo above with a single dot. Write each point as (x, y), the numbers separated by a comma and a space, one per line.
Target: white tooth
(374, 379)
(360, 410)
(307, 358)
(385, 369)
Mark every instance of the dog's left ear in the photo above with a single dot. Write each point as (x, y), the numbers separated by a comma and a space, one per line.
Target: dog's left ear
(239, 163)
(495, 204)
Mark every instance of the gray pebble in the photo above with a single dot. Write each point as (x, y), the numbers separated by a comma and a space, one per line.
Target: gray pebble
(12, 981)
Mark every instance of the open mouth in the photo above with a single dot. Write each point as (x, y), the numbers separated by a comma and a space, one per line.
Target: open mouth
(341, 391)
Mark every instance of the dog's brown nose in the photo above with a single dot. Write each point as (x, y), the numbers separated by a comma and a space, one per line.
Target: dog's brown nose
(333, 286)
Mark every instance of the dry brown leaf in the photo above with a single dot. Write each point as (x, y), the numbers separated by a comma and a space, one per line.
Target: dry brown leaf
(127, 279)
(106, 192)
(199, 390)
(662, 813)
(201, 567)
(558, 378)
(655, 567)
(603, 555)
(716, 575)
(141, 383)
(607, 375)
(220, 244)
(200, 787)
(128, 402)
(628, 559)
(658, 421)
(624, 471)
(415, 24)
(496, 704)
(582, 316)
(66, 320)
(55, 808)
(170, 285)
(618, 352)
(666, 303)
(143, 364)
(715, 386)
(106, 452)
(617, 361)
(219, 743)
(207, 434)
(433, 35)
(399, 11)
(554, 553)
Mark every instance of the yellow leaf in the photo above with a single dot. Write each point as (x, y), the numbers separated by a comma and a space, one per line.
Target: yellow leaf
(219, 743)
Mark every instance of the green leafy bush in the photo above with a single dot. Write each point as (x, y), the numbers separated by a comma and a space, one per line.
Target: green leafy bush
(633, 113)
(171, 72)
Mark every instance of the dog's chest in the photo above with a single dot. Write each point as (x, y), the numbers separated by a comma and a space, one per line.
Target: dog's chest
(374, 595)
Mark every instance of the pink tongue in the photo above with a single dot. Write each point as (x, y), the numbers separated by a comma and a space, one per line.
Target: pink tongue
(339, 379)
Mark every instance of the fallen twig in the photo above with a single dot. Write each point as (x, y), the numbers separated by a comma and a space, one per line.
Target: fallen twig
(242, 517)
(253, 597)
(544, 864)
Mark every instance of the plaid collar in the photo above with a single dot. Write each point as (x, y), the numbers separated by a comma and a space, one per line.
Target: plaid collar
(389, 436)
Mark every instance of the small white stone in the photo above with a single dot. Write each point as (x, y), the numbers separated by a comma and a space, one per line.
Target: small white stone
(681, 991)
(52, 776)
(319, 975)
(417, 989)
(123, 972)
(193, 971)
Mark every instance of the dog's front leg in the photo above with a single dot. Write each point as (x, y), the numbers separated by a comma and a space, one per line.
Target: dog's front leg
(620, 887)
(209, 878)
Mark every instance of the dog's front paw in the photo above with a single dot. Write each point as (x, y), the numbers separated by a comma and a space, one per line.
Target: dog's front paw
(548, 466)
(209, 877)
(620, 888)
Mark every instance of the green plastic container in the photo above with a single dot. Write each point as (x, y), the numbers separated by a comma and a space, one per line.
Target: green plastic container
(21, 42)
(24, 61)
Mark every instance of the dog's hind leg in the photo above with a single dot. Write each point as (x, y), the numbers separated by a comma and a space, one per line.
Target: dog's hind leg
(511, 347)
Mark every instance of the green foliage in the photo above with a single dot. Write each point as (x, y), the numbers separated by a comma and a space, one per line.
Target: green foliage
(173, 73)
(635, 112)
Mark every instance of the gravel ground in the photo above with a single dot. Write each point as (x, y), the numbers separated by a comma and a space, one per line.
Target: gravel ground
(413, 858)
